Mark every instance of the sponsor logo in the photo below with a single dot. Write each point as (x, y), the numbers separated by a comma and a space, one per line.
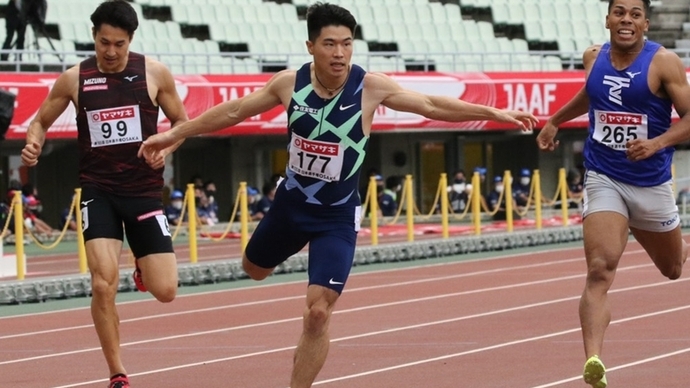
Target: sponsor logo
(346, 107)
(333, 282)
(316, 147)
(617, 84)
(305, 109)
(95, 81)
(84, 203)
(113, 114)
(670, 222)
(631, 74)
(131, 78)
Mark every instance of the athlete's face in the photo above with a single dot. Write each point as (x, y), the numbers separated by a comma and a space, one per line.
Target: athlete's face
(112, 48)
(332, 51)
(627, 23)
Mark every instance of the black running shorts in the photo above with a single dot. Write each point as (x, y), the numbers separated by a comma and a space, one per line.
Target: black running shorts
(145, 225)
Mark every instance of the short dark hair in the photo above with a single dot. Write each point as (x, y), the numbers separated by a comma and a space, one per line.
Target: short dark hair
(320, 15)
(117, 13)
(647, 6)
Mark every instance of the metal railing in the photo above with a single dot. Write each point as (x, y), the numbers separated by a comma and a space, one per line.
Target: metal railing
(248, 62)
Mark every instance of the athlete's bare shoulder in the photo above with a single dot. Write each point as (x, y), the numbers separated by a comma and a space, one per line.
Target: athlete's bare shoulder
(282, 84)
(67, 83)
(590, 55)
(156, 69)
(664, 56)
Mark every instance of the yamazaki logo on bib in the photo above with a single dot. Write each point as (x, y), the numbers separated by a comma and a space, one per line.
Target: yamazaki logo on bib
(316, 146)
(620, 118)
(114, 114)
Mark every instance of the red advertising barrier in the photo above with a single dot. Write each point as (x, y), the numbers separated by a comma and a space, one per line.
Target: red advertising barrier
(540, 93)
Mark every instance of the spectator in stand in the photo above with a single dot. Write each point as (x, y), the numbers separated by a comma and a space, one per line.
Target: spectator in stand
(521, 188)
(204, 209)
(493, 199)
(210, 188)
(253, 197)
(388, 197)
(30, 195)
(15, 22)
(197, 181)
(173, 211)
(575, 188)
(269, 193)
(32, 211)
(65, 217)
(458, 192)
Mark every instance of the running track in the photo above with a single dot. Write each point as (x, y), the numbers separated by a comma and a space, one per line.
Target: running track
(505, 321)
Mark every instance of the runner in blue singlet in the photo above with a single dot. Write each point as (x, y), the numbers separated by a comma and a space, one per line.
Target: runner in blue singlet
(631, 84)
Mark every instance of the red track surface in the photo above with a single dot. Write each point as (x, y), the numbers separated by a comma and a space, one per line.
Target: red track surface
(505, 322)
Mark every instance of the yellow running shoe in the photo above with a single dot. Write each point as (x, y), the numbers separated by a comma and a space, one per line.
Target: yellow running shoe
(594, 372)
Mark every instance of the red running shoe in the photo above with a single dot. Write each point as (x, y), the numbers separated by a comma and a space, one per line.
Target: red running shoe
(119, 381)
(137, 278)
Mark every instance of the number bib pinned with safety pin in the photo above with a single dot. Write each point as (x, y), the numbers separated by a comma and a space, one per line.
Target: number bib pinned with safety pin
(113, 126)
(316, 159)
(615, 129)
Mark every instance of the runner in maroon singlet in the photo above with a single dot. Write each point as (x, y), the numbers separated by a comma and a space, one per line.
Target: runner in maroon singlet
(117, 95)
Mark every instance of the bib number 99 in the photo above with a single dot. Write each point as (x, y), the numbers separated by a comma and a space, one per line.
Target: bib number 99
(120, 127)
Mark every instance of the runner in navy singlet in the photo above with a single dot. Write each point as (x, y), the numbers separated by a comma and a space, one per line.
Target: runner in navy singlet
(631, 84)
(330, 105)
(117, 95)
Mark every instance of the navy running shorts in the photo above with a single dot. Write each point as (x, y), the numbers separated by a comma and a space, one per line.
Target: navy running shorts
(331, 233)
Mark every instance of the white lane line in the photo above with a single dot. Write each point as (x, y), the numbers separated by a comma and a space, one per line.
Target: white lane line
(619, 367)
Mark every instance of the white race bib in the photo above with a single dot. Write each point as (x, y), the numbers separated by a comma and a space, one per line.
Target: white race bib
(114, 126)
(316, 159)
(615, 129)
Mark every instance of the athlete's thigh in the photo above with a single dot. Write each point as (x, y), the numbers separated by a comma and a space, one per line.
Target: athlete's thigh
(605, 236)
(103, 256)
(605, 223)
(146, 226)
(277, 237)
(664, 248)
(331, 253)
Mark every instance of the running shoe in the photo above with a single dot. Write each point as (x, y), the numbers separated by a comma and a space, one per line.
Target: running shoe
(138, 281)
(119, 381)
(594, 372)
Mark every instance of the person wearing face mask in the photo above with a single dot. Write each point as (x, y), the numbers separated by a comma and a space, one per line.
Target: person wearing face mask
(521, 188)
(210, 189)
(493, 199)
(174, 210)
(458, 192)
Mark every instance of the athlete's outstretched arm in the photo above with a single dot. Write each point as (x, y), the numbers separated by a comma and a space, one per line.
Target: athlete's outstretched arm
(390, 94)
(576, 107)
(57, 101)
(226, 114)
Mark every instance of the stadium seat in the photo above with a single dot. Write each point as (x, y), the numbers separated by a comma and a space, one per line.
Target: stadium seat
(453, 13)
(439, 13)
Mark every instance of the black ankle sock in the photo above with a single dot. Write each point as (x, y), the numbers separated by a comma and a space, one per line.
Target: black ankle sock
(118, 375)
